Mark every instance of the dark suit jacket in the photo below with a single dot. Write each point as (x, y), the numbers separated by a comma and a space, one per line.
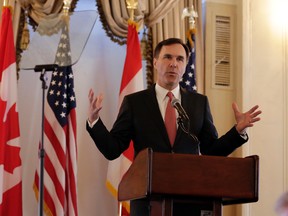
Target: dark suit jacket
(140, 120)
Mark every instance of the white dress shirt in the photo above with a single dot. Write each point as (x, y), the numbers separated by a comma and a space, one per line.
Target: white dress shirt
(162, 98)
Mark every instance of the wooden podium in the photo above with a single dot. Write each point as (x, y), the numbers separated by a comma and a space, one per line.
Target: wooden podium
(204, 182)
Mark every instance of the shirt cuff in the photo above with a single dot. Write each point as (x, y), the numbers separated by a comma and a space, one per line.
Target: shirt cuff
(244, 136)
(93, 123)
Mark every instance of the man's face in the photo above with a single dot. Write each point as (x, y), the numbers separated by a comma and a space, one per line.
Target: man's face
(170, 65)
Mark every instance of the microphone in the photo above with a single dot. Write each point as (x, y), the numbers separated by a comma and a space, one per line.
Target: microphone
(183, 116)
(177, 105)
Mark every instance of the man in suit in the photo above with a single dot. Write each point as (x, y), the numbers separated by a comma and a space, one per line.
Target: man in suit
(141, 118)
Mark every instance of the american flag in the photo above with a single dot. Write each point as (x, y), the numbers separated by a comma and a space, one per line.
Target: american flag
(60, 173)
(188, 80)
(10, 161)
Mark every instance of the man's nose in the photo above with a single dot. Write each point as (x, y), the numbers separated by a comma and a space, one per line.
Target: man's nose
(173, 64)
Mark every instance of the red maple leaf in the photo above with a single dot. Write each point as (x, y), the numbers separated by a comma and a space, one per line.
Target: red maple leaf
(9, 130)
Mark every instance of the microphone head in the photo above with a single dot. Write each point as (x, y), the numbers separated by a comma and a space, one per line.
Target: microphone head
(175, 101)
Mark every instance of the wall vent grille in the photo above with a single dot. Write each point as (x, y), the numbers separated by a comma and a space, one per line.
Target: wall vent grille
(222, 51)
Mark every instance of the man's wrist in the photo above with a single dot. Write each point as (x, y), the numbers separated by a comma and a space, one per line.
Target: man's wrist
(242, 133)
(91, 124)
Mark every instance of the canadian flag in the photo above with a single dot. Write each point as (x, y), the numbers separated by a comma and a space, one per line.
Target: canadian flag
(10, 161)
(132, 81)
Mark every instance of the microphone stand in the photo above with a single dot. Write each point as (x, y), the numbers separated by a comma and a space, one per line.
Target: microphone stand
(43, 69)
(181, 123)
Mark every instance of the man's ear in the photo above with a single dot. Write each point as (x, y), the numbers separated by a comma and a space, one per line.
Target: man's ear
(154, 62)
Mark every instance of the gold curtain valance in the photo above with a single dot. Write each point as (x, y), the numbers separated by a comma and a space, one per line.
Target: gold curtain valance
(160, 18)
(32, 11)
(41, 9)
(114, 16)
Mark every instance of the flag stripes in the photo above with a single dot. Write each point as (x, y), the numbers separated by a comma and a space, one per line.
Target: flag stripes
(60, 167)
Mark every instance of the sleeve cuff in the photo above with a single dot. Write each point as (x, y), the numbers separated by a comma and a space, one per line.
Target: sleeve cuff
(93, 123)
(244, 136)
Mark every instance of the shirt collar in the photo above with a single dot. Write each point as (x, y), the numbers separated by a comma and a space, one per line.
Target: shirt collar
(162, 92)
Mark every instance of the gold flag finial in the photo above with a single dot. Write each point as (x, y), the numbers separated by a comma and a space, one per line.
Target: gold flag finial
(66, 7)
(5, 3)
(25, 38)
(65, 12)
(132, 5)
(192, 14)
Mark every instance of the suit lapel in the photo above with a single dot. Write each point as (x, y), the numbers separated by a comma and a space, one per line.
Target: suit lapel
(154, 111)
(184, 99)
(184, 103)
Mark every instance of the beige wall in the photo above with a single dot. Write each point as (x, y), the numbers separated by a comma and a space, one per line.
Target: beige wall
(265, 55)
(260, 78)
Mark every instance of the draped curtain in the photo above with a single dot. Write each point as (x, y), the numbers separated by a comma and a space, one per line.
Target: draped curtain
(160, 19)
(42, 9)
(32, 11)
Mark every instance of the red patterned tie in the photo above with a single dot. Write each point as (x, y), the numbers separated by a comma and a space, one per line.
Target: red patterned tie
(170, 119)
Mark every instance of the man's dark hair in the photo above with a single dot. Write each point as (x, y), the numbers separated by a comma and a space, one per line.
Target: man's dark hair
(167, 42)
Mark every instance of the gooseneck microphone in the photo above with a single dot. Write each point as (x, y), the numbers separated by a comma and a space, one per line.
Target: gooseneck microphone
(177, 105)
(183, 120)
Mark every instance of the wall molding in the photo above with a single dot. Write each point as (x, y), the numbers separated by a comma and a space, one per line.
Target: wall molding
(285, 105)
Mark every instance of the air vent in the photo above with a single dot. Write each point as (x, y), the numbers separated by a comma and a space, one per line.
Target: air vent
(222, 73)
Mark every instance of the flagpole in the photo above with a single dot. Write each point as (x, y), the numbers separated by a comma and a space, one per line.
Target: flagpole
(191, 14)
(120, 209)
